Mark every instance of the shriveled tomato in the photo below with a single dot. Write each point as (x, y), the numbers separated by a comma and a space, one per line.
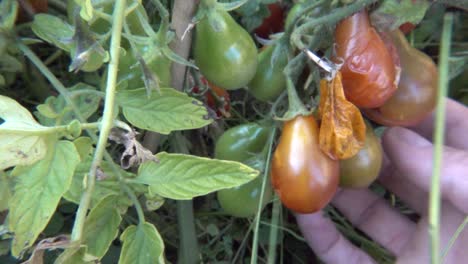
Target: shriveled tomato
(304, 177)
(273, 23)
(224, 51)
(369, 75)
(27, 9)
(417, 89)
(269, 80)
(244, 143)
(363, 168)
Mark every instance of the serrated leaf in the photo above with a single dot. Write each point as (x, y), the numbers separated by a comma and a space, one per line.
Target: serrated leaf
(393, 13)
(165, 112)
(142, 244)
(182, 177)
(5, 191)
(102, 226)
(53, 30)
(108, 185)
(21, 137)
(37, 193)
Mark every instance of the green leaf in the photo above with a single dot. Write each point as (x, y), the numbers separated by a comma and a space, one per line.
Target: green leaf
(56, 111)
(84, 146)
(393, 13)
(232, 5)
(102, 226)
(8, 13)
(176, 58)
(183, 177)
(53, 30)
(75, 255)
(87, 10)
(5, 191)
(21, 138)
(105, 186)
(142, 244)
(10, 63)
(163, 112)
(37, 193)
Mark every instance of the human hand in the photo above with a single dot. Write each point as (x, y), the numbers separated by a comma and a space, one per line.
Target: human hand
(407, 173)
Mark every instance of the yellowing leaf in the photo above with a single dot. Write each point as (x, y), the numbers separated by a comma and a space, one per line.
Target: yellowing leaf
(342, 129)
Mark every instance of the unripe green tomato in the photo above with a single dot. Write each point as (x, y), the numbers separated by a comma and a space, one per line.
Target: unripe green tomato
(362, 169)
(241, 142)
(269, 81)
(242, 201)
(224, 51)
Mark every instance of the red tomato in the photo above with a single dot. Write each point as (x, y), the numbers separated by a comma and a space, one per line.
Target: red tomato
(369, 75)
(304, 177)
(27, 9)
(272, 24)
(222, 106)
(407, 27)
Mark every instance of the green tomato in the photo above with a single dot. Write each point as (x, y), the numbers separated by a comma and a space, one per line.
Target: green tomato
(241, 142)
(130, 69)
(362, 169)
(224, 51)
(269, 81)
(243, 201)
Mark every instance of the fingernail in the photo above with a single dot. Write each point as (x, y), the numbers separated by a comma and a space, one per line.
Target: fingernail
(409, 137)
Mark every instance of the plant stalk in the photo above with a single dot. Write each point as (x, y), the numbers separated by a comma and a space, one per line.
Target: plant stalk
(107, 119)
(435, 196)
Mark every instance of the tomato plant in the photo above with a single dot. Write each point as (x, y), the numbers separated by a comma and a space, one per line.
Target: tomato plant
(269, 80)
(416, 94)
(216, 98)
(243, 143)
(368, 71)
(302, 175)
(273, 23)
(224, 51)
(363, 168)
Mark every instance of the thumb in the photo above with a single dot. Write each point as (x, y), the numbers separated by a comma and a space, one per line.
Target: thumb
(412, 155)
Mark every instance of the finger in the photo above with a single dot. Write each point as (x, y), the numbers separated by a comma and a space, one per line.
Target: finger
(456, 125)
(412, 155)
(394, 181)
(325, 240)
(375, 217)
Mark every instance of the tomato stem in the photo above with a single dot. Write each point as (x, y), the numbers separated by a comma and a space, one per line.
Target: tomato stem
(435, 196)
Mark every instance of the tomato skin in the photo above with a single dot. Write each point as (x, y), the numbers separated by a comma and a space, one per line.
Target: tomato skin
(130, 70)
(226, 55)
(368, 71)
(417, 90)
(362, 169)
(269, 81)
(273, 23)
(302, 175)
(239, 143)
(33, 6)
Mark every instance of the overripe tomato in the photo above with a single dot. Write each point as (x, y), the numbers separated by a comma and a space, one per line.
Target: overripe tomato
(224, 51)
(131, 71)
(27, 9)
(369, 75)
(302, 175)
(243, 143)
(273, 23)
(239, 143)
(362, 169)
(417, 89)
(269, 80)
(223, 106)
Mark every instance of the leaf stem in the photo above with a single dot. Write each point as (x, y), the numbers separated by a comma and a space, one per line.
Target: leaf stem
(275, 214)
(435, 196)
(135, 201)
(107, 119)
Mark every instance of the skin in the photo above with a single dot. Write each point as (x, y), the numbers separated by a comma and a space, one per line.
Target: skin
(407, 173)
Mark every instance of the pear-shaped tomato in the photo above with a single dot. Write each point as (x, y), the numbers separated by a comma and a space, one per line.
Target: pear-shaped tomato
(224, 51)
(269, 80)
(362, 169)
(369, 75)
(417, 89)
(302, 175)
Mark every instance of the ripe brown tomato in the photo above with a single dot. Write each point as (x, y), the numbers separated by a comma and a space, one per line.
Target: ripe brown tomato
(369, 75)
(417, 89)
(302, 175)
(363, 168)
